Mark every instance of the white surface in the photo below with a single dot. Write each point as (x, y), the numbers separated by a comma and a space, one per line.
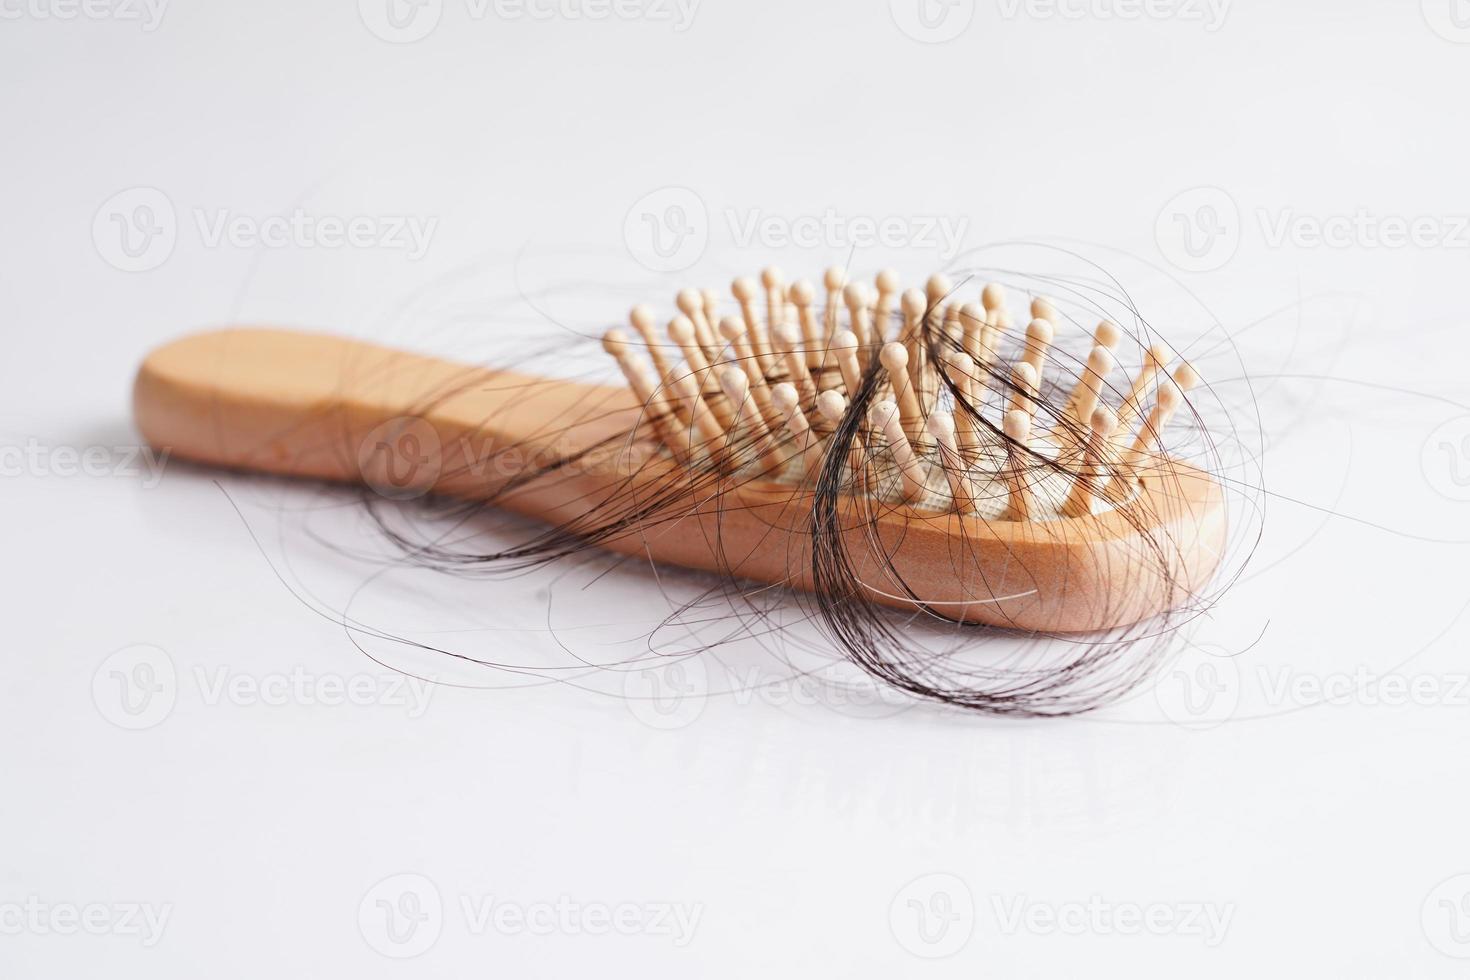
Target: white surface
(1330, 835)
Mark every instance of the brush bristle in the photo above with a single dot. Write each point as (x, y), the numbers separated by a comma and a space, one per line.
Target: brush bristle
(949, 401)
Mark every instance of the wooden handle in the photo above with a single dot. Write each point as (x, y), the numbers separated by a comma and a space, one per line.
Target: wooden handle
(313, 405)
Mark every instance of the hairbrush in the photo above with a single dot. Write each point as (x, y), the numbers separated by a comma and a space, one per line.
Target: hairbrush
(913, 449)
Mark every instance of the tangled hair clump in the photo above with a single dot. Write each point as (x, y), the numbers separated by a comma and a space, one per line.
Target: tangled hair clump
(855, 597)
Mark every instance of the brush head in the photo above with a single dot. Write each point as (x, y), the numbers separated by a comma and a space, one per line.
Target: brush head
(1017, 426)
(1025, 377)
(785, 398)
(972, 317)
(734, 384)
(1170, 398)
(787, 337)
(894, 357)
(830, 404)
(615, 342)
(913, 303)
(641, 316)
(960, 420)
(941, 425)
(1185, 377)
(732, 328)
(690, 302)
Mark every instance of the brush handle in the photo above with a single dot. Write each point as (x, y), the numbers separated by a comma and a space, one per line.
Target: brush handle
(312, 405)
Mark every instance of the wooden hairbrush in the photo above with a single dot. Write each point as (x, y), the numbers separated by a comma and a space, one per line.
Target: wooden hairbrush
(915, 432)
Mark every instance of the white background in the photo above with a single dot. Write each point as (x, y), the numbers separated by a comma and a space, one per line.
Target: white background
(807, 837)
